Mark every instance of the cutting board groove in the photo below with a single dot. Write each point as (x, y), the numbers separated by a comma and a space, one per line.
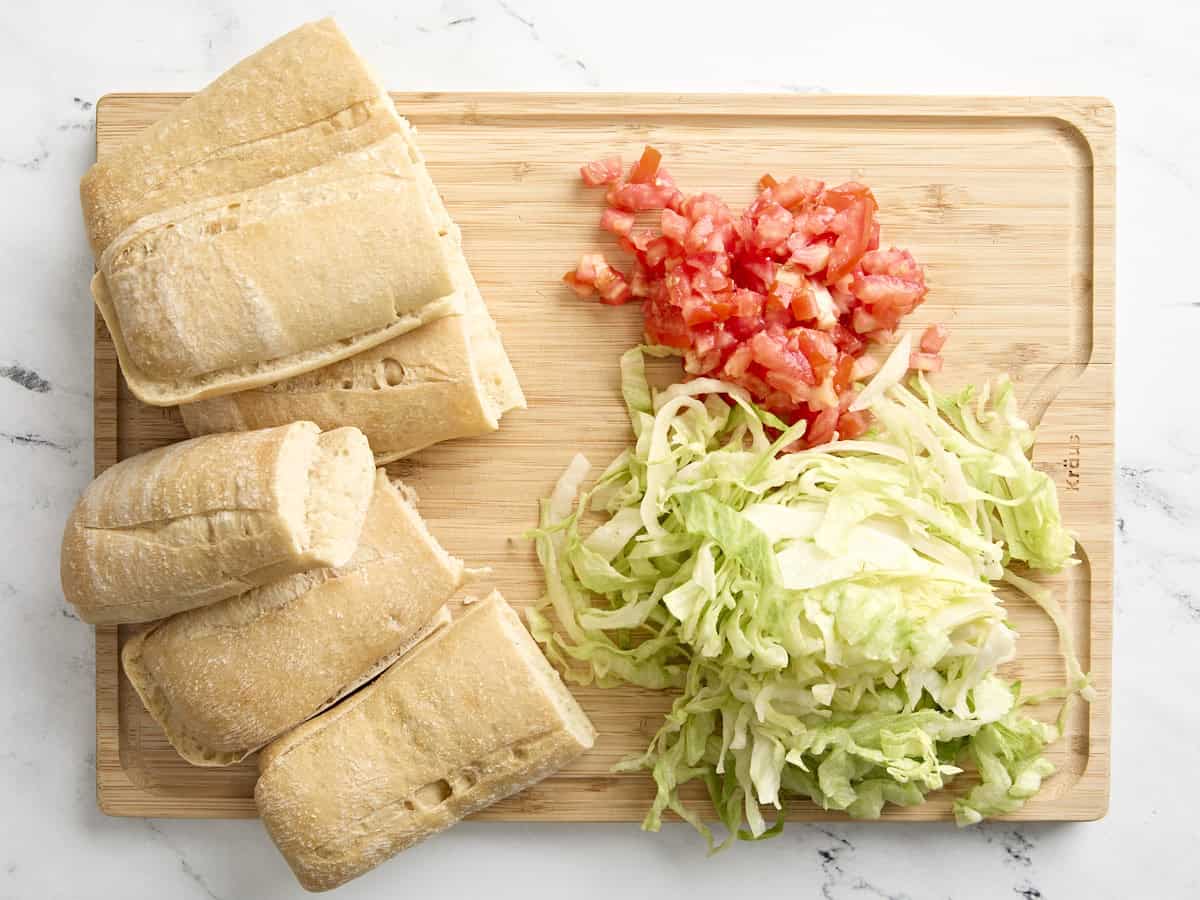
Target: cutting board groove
(1008, 202)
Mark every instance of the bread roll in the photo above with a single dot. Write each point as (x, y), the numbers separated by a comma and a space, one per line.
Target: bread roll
(224, 680)
(199, 521)
(448, 379)
(269, 225)
(472, 715)
(303, 100)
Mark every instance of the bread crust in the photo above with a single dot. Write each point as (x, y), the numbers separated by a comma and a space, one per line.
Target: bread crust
(448, 379)
(269, 225)
(224, 680)
(202, 520)
(435, 384)
(472, 715)
(301, 101)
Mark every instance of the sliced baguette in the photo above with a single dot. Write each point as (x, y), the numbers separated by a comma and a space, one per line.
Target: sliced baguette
(303, 100)
(199, 521)
(224, 680)
(448, 379)
(472, 715)
(269, 225)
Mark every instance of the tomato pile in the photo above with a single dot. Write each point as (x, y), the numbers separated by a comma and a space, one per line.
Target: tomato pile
(782, 299)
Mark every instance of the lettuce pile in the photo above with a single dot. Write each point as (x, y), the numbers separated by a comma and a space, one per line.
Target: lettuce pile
(829, 616)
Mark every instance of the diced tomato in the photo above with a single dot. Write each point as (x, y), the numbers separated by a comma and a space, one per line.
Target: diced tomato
(804, 304)
(817, 346)
(589, 265)
(708, 338)
(933, 339)
(898, 263)
(602, 171)
(772, 353)
(666, 184)
(664, 180)
(797, 192)
(710, 363)
(853, 225)
(699, 205)
(812, 258)
(739, 361)
(646, 168)
(756, 274)
(853, 424)
(674, 226)
(815, 222)
(844, 196)
(821, 427)
(773, 228)
(873, 243)
(664, 325)
(701, 231)
(695, 363)
(639, 283)
(843, 301)
(640, 197)
(864, 367)
(797, 389)
(824, 396)
(925, 362)
(618, 294)
(724, 305)
(594, 271)
(637, 240)
(744, 327)
(887, 318)
(718, 238)
(755, 382)
(846, 340)
(582, 288)
(888, 290)
(843, 375)
(863, 322)
(749, 304)
(781, 298)
(656, 251)
(618, 222)
(776, 317)
(697, 312)
(679, 286)
(612, 287)
(842, 285)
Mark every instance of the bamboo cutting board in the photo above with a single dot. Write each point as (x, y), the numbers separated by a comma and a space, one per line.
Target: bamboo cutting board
(1008, 203)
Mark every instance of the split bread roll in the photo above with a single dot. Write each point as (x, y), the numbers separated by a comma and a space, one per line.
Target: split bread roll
(224, 680)
(199, 521)
(270, 225)
(474, 714)
(448, 379)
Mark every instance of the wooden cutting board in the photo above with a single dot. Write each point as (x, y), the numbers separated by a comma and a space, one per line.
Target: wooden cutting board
(1008, 203)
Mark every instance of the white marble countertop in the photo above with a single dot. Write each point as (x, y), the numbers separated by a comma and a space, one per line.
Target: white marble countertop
(57, 57)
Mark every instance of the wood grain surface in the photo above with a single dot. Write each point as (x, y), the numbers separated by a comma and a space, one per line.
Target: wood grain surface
(1008, 203)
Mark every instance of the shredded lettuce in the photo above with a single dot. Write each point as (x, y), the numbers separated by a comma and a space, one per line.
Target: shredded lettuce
(829, 616)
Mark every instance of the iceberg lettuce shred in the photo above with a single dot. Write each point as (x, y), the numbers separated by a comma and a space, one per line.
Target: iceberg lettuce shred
(828, 616)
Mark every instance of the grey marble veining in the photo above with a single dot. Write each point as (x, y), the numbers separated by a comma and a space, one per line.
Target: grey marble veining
(57, 58)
